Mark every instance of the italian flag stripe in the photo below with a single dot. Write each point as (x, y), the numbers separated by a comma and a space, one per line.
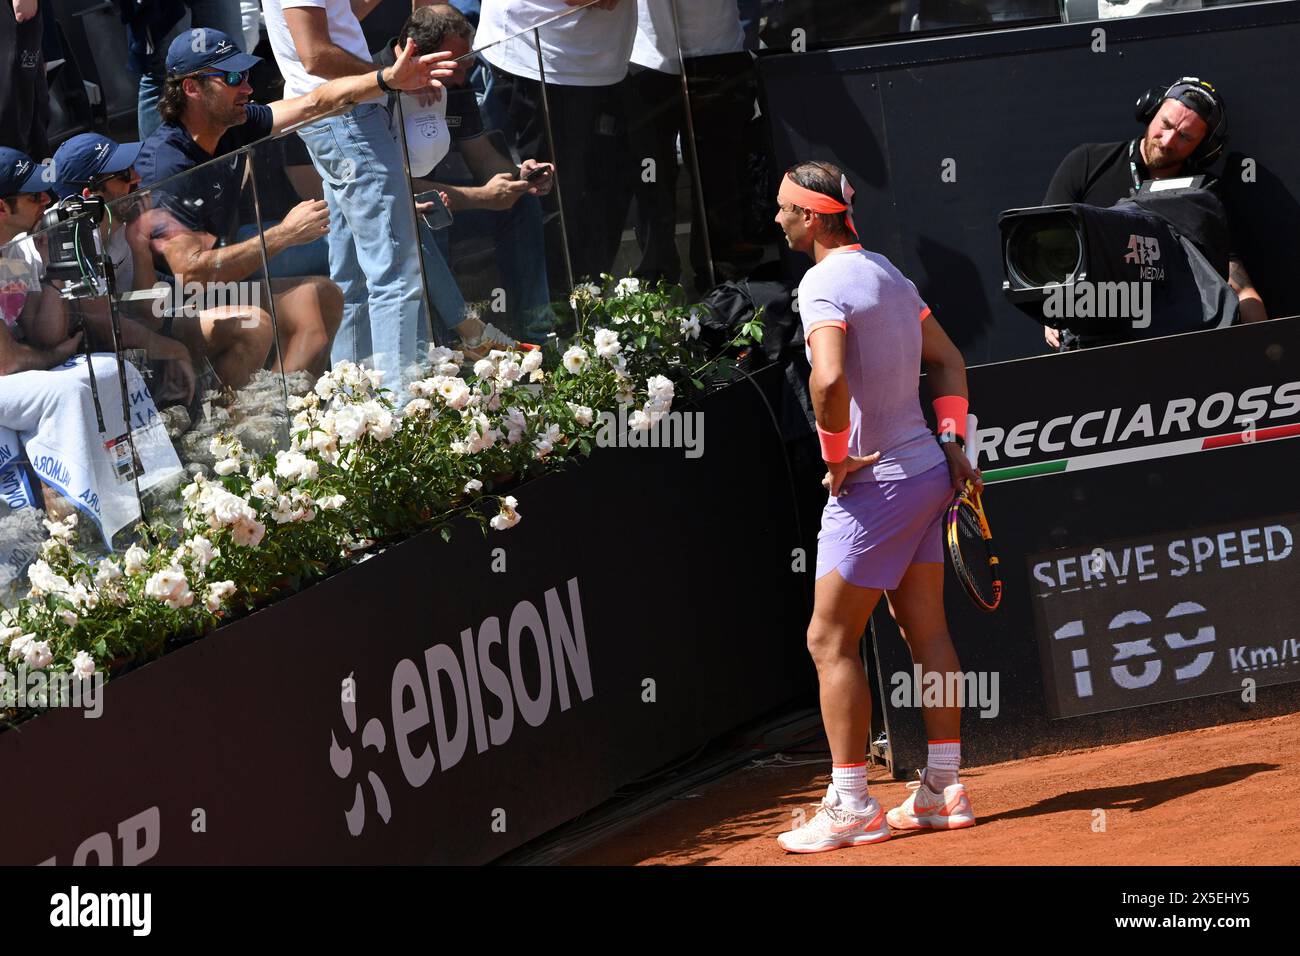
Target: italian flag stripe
(1169, 449)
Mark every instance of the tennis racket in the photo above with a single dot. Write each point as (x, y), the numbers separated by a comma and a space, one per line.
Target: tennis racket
(970, 545)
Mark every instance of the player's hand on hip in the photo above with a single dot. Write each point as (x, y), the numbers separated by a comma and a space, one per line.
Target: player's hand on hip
(837, 471)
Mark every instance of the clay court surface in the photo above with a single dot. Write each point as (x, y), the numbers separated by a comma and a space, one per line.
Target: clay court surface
(1220, 796)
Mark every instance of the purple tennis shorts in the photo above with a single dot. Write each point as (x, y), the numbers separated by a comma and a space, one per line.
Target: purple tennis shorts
(873, 531)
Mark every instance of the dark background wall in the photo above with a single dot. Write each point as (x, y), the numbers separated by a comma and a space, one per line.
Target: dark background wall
(1007, 107)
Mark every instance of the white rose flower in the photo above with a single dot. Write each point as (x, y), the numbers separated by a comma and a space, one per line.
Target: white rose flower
(326, 387)
(332, 502)
(248, 533)
(532, 362)
(218, 593)
(45, 580)
(227, 466)
(575, 358)
(638, 421)
(581, 414)
(509, 371)
(38, 655)
(516, 423)
(508, 516)
(171, 587)
(417, 408)
(19, 646)
(7, 634)
(349, 423)
(107, 572)
(625, 395)
(374, 376)
(627, 286)
(295, 466)
(83, 665)
(202, 550)
(283, 510)
(485, 368)
(607, 344)
(69, 617)
(265, 487)
(690, 327)
(545, 442)
(379, 421)
(660, 388)
(471, 487)
(453, 392)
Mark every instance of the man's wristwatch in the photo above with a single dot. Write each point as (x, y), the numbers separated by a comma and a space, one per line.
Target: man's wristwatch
(379, 78)
(946, 438)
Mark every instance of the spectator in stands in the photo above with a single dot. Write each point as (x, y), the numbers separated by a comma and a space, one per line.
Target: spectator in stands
(236, 339)
(502, 203)
(1101, 174)
(34, 330)
(656, 117)
(207, 113)
(372, 238)
(24, 96)
(152, 27)
(585, 56)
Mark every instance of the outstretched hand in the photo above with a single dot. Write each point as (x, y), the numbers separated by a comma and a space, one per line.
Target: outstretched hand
(411, 73)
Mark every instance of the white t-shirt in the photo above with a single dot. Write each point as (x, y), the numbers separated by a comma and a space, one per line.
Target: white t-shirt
(345, 31)
(708, 26)
(589, 47)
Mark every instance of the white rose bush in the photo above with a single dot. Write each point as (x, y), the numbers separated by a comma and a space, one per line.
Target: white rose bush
(366, 467)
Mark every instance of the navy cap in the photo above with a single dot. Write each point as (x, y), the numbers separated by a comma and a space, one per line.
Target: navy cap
(20, 174)
(90, 155)
(202, 49)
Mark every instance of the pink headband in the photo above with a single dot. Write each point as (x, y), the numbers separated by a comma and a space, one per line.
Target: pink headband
(797, 195)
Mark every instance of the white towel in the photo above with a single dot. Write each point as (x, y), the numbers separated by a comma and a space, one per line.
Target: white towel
(51, 416)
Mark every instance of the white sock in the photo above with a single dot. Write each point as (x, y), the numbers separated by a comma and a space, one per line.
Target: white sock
(850, 782)
(943, 758)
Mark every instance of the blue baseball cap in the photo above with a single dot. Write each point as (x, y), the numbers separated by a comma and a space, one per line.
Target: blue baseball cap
(19, 173)
(90, 155)
(201, 49)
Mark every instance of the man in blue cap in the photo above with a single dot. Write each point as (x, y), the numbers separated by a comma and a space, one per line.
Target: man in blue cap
(207, 113)
(34, 330)
(235, 338)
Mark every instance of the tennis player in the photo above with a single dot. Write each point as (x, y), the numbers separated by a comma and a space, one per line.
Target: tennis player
(868, 334)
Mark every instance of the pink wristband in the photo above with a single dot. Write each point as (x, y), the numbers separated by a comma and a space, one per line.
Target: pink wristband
(835, 445)
(950, 411)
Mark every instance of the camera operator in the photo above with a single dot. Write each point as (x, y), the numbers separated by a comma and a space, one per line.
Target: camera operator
(234, 338)
(34, 330)
(1183, 137)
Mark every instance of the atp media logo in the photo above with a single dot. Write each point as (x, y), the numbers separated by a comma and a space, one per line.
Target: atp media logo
(521, 671)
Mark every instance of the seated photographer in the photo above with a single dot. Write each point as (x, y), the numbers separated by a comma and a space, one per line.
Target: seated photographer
(34, 330)
(503, 205)
(235, 339)
(57, 420)
(1186, 130)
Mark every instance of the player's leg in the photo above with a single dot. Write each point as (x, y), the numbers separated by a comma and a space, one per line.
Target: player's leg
(235, 339)
(848, 815)
(940, 801)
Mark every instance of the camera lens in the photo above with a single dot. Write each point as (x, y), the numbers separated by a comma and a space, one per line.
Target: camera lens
(1044, 249)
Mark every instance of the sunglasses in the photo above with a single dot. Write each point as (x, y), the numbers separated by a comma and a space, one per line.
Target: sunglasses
(124, 176)
(230, 77)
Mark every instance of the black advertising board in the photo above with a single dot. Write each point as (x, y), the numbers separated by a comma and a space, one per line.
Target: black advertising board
(446, 702)
(1129, 487)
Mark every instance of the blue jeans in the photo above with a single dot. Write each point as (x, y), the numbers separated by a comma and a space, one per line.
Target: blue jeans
(372, 239)
(444, 294)
(520, 246)
(220, 15)
(309, 259)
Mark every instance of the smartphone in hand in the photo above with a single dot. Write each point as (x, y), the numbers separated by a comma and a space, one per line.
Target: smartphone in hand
(439, 217)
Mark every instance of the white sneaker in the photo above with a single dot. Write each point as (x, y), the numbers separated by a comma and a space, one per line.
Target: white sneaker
(835, 826)
(927, 810)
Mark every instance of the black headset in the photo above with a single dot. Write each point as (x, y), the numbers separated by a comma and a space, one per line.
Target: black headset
(1211, 147)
